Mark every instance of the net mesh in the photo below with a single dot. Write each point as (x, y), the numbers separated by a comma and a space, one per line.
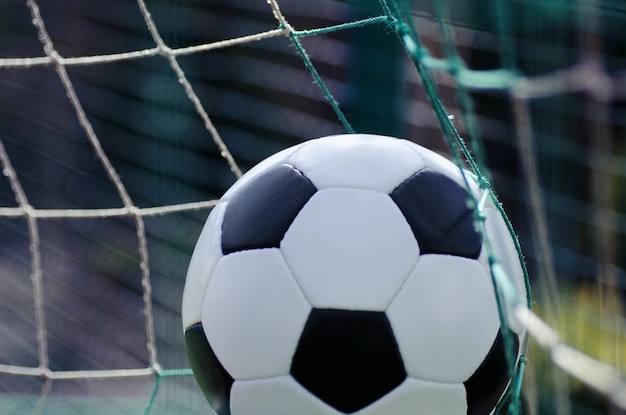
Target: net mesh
(124, 122)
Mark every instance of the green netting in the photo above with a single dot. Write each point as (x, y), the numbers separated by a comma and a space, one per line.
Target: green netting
(399, 18)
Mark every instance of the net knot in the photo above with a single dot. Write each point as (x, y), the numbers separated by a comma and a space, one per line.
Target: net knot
(55, 57)
(401, 28)
(133, 211)
(413, 47)
(157, 369)
(493, 260)
(164, 50)
(480, 217)
(29, 211)
(483, 183)
(287, 29)
(455, 64)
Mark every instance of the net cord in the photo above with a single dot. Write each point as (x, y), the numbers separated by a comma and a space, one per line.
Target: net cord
(403, 25)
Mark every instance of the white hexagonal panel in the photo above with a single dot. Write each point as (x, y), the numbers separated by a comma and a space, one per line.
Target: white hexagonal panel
(445, 318)
(254, 313)
(415, 396)
(359, 161)
(350, 249)
(204, 259)
(275, 396)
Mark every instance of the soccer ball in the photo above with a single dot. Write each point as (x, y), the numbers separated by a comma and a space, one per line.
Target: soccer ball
(346, 275)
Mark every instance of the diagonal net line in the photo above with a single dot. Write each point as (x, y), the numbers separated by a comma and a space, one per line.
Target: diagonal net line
(294, 36)
(593, 373)
(53, 58)
(110, 170)
(165, 51)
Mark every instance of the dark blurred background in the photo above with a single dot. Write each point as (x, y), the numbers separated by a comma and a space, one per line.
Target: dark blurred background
(261, 99)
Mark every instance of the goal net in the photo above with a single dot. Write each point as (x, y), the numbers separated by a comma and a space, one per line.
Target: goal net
(123, 122)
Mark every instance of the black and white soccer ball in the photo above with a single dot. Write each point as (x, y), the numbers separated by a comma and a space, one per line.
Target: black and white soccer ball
(345, 275)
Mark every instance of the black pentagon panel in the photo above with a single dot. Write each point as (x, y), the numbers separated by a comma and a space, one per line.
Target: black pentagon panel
(437, 211)
(485, 387)
(213, 379)
(348, 359)
(260, 213)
